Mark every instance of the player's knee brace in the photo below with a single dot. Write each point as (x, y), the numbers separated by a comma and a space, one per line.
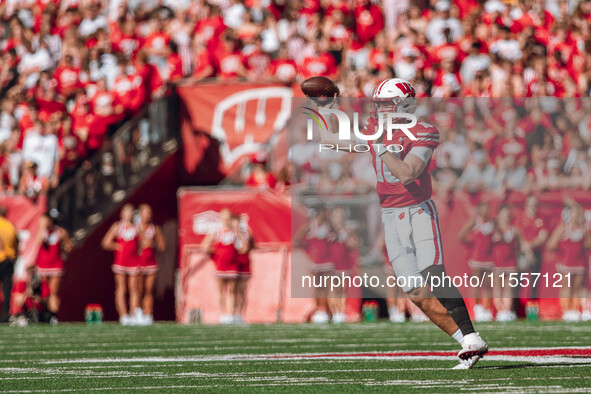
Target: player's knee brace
(450, 297)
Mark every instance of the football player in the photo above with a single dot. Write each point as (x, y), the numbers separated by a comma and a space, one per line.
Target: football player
(410, 218)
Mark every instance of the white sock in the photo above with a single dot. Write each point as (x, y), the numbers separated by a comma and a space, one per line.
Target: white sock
(458, 336)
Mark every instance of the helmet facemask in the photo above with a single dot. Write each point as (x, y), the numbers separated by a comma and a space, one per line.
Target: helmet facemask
(405, 105)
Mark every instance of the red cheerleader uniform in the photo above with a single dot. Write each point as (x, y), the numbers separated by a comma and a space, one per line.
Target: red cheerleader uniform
(147, 257)
(243, 260)
(49, 259)
(480, 239)
(505, 251)
(225, 254)
(339, 252)
(126, 257)
(317, 247)
(572, 250)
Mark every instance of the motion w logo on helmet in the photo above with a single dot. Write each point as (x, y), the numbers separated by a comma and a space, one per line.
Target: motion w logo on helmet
(406, 88)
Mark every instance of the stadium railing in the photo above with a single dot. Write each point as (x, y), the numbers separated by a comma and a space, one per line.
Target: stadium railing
(126, 159)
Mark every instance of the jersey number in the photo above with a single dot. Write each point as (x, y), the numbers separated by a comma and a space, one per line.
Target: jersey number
(383, 172)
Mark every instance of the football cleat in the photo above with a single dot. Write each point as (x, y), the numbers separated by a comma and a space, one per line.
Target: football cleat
(468, 363)
(473, 346)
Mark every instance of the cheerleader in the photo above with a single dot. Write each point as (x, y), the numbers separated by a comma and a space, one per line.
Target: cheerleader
(570, 239)
(50, 266)
(315, 238)
(477, 234)
(220, 245)
(506, 243)
(151, 241)
(122, 238)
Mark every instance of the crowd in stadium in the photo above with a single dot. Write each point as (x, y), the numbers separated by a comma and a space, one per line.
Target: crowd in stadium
(72, 70)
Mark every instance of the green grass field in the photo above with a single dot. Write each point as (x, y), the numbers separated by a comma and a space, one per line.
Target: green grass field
(309, 358)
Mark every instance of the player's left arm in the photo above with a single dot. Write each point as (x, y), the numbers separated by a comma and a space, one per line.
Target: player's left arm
(411, 167)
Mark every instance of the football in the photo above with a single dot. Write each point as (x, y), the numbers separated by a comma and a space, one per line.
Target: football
(321, 89)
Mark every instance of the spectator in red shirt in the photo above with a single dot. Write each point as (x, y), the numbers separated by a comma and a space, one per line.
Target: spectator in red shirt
(211, 25)
(203, 67)
(67, 77)
(49, 103)
(369, 20)
(153, 84)
(256, 61)
(124, 38)
(230, 62)
(123, 86)
(283, 69)
(71, 149)
(174, 65)
(320, 63)
(106, 105)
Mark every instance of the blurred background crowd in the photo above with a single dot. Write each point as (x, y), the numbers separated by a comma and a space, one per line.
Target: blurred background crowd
(72, 71)
(494, 145)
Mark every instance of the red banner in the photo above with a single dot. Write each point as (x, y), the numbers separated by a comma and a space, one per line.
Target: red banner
(242, 117)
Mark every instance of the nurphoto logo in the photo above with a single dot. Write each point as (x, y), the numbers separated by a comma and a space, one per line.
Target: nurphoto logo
(388, 122)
